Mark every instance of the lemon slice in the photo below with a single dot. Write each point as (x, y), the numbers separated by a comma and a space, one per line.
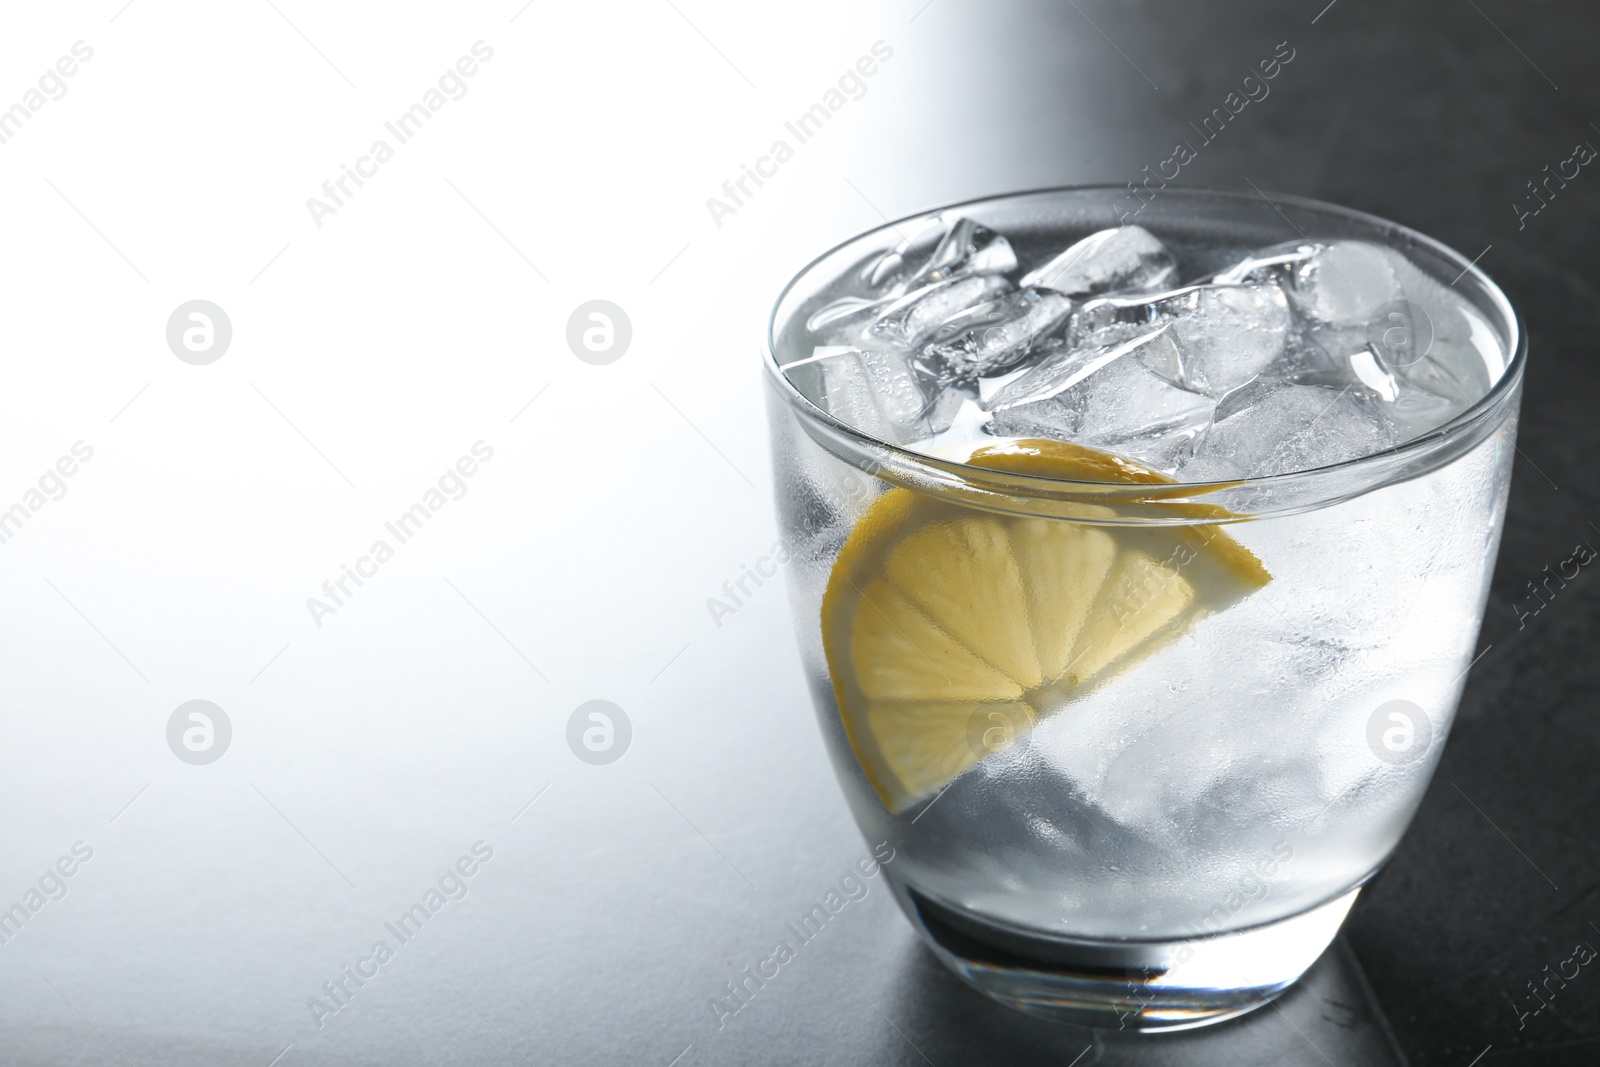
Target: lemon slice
(950, 632)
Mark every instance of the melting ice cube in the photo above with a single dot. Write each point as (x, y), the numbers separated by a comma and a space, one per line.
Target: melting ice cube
(1273, 264)
(878, 394)
(1336, 283)
(1229, 333)
(1433, 338)
(1274, 427)
(910, 321)
(993, 337)
(1422, 354)
(1122, 258)
(1412, 409)
(965, 249)
(1123, 398)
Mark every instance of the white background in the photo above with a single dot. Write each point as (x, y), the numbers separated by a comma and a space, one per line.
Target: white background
(428, 313)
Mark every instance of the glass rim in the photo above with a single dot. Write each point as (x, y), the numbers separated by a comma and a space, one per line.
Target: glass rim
(1416, 449)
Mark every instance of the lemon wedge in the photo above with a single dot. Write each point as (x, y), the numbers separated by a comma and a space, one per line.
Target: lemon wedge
(950, 632)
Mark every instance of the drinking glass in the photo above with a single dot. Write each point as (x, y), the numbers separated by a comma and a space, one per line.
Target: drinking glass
(1176, 843)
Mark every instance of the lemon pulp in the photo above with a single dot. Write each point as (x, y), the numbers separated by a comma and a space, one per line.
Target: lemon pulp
(950, 632)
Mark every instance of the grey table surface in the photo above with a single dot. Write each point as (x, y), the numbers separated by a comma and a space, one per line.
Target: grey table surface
(376, 745)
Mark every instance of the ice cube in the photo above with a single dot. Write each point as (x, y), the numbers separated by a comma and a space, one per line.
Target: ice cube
(1272, 264)
(965, 249)
(1229, 333)
(1233, 334)
(1368, 305)
(1403, 399)
(1061, 371)
(1111, 319)
(1333, 284)
(881, 273)
(879, 394)
(1434, 338)
(1309, 353)
(993, 337)
(1410, 408)
(1440, 352)
(1121, 258)
(1122, 398)
(1355, 294)
(1275, 427)
(909, 322)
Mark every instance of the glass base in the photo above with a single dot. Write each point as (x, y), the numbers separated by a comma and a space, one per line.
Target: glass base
(1127, 985)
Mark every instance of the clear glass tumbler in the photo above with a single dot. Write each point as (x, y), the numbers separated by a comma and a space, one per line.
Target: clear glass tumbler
(1176, 845)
